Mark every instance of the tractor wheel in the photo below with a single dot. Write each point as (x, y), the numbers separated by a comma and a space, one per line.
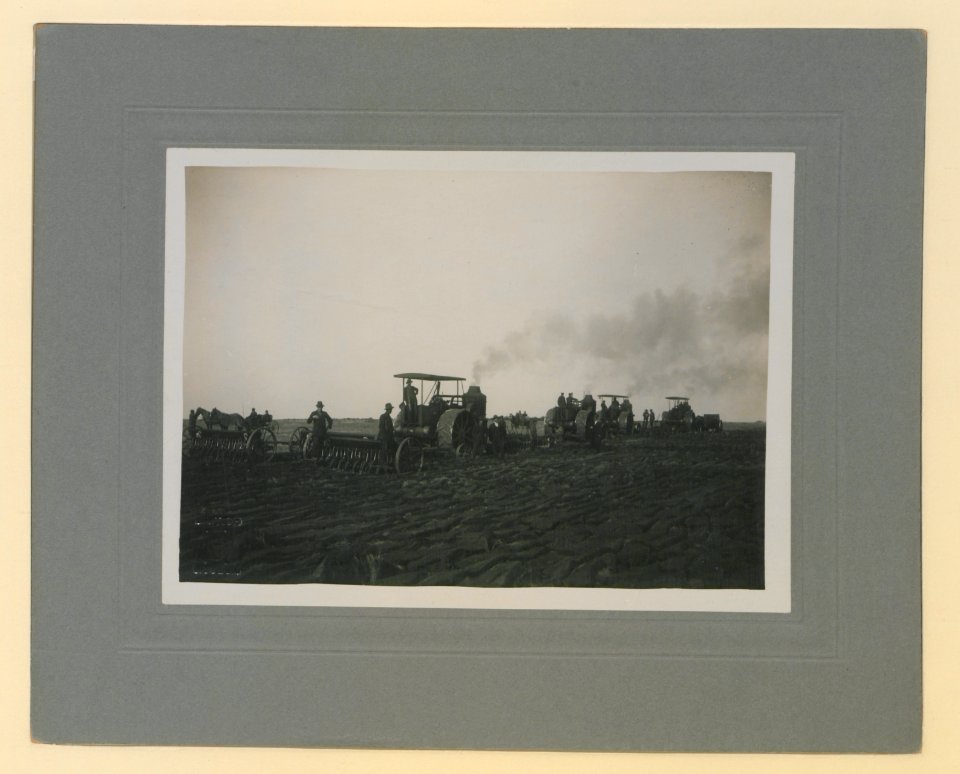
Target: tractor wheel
(456, 427)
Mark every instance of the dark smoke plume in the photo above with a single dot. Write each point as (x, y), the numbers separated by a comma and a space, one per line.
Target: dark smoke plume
(710, 345)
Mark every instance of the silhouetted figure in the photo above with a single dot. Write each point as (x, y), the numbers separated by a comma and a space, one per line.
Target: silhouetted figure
(410, 401)
(385, 432)
(604, 411)
(321, 422)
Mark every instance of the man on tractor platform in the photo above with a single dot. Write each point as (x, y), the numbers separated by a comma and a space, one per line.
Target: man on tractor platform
(410, 402)
(614, 408)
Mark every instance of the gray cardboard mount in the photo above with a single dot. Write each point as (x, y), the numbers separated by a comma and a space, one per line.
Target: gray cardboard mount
(110, 664)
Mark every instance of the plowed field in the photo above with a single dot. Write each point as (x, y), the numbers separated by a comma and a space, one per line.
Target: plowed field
(682, 511)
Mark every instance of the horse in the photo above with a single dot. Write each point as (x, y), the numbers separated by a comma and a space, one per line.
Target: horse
(216, 419)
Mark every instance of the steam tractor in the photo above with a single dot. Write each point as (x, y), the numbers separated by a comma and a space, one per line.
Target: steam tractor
(619, 419)
(575, 421)
(437, 414)
(680, 417)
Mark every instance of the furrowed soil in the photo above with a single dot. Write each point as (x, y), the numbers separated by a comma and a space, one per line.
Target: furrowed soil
(681, 511)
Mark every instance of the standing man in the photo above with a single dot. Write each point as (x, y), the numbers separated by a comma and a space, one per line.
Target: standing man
(385, 433)
(410, 399)
(562, 406)
(321, 422)
(646, 418)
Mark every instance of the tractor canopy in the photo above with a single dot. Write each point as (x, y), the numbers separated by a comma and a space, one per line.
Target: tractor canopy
(434, 394)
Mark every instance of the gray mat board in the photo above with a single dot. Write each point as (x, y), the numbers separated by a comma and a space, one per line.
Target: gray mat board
(111, 665)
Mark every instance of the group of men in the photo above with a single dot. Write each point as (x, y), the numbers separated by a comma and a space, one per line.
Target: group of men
(255, 420)
(322, 422)
(615, 408)
(569, 406)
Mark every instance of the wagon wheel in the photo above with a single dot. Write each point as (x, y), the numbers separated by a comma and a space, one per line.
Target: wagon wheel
(298, 442)
(261, 445)
(409, 457)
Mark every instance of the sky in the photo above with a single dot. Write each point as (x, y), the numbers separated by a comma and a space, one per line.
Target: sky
(306, 284)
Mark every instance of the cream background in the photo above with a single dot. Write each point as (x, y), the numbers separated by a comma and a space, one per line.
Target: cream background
(941, 18)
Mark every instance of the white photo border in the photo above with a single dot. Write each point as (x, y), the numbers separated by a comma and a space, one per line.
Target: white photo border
(775, 597)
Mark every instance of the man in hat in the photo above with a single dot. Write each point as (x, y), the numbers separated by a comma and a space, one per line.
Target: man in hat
(321, 422)
(385, 430)
(410, 400)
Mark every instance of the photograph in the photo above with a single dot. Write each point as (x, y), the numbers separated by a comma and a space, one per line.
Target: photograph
(478, 379)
